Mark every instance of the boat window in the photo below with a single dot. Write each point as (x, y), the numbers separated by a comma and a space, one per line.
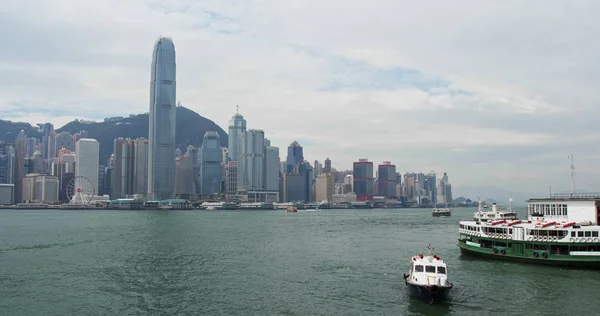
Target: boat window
(430, 269)
(594, 234)
(579, 234)
(441, 270)
(418, 268)
(573, 234)
(565, 209)
(588, 234)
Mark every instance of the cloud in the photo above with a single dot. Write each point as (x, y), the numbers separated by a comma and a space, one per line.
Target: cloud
(489, 92)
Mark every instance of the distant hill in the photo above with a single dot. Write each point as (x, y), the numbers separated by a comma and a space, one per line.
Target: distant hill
(190, 130)
(9, 130)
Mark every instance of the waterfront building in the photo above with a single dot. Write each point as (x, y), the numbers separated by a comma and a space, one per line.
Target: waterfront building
(87, 156)
(7, 194)
(324, 187)
(210, 164)
(386, 180)
(272, 161)
(122, 176)
(251, 161)
(20, 151)
(46, 188)
(184, 178)
(29, 193)
(161, 131)
(231, 178)
(237, 127)
(362, 173)
(140, 166)
(7, 164)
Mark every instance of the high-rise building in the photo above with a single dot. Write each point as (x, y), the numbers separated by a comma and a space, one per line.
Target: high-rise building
(363, 180)
(210, 164)
(237, 127)
(430, 186)
(122, 181)
(327, 167)
(32, 145)
(444, 190)
(295, 156)
(48, 141)
(87, 156)
(184, 179)
(7, 164)
(386, 180)
(161, 132)
(272, 168)
(251, 162)
(7, 194)
(140, 166)
(231, 178)
(318, 168)
(324, 187)
(20, 151)
(63, 140)
(29, 186)
(38, 162)
(46, 188)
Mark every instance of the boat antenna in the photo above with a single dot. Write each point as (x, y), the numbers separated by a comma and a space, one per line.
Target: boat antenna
(572, 175)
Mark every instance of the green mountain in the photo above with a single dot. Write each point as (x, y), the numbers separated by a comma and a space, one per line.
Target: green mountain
(190, 130)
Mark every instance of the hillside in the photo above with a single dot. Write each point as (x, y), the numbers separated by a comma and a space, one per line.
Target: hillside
(189, 131)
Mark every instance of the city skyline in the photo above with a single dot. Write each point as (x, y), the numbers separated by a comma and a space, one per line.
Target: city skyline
(444, 98)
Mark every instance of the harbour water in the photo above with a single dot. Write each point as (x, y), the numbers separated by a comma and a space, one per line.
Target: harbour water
(329, 262)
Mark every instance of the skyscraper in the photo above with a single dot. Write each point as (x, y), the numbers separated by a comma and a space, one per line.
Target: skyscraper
(386, 179)
(87, 156)
(122, 175)
(63, 140)
(271, 168)
(237, 127)
(294, 156)
(161, 133)
(327, 167)
(251, 162)
(20, 151)
(363, 180)
(210, 164)
(7, 164)
(140, 166)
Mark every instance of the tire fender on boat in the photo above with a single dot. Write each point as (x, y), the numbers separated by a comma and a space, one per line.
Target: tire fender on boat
(495, 250)
(544, 255)
(535, 254)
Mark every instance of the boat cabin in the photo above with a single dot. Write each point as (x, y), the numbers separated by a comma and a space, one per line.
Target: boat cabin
(429, 270)
(576, 207)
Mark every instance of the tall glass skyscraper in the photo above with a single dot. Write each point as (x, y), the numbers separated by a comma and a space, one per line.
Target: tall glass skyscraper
(161, 134)
(237, 127)
(210, 164)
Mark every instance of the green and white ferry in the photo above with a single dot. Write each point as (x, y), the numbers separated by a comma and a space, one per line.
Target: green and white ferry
(561, 230)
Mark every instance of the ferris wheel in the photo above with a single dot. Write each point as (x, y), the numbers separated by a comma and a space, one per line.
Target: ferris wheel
(80, 190)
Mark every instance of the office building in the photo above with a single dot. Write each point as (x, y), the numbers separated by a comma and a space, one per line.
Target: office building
(324, 187)
(386, 180)
(362, 173)
(20, 151)
(251, 162)
(7, 194)
(210, 164)
(140, 166)
(46, 188)
(161, 132)
(87, 156)
(237, 127)
(7, 164)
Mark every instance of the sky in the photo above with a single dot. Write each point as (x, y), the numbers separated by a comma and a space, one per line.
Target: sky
(495, 94)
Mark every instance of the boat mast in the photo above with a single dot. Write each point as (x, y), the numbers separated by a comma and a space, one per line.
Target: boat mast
(572, 175)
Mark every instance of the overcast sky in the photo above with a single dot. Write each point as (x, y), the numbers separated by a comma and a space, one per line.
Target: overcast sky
(496, 94)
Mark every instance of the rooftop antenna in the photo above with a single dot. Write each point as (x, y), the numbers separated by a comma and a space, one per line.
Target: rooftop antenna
(237, 107)
(572, 175)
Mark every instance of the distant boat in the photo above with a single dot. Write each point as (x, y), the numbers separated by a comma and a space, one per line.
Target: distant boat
(441, 211)
(427, 277)
(494, 214)
(292, 209)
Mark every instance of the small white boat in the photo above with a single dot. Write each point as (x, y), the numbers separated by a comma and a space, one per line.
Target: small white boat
(428, 277)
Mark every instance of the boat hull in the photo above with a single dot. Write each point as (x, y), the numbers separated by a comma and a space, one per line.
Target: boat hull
(428, 293)
(588, 262)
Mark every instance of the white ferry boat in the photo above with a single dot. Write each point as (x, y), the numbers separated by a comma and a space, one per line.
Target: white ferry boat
(441, 211)
(562, 230)
(494, 213)
(428, 277)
